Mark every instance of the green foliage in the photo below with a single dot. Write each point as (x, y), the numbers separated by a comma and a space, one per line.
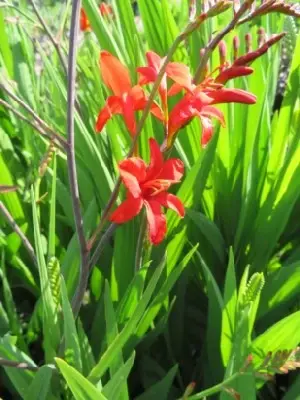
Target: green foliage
(217, 304)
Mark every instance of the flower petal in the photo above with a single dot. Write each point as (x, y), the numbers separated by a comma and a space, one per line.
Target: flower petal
(132, 171)
(154, 60)
(147, 75)
(140, 100)
(134, 166)
(232, 96)
(172, 170)
(84, 22)
(171, 201)
(210, 111)
(128, 112)
(181, 114)
(180, 74)
(105, 9)
(207, 130)
(157, 225)
(233, 72)
(115, 75)
(156, 159)
(127, 210)
(112, 106)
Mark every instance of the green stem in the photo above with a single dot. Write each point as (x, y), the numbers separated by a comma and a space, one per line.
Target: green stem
(217, 388)
(140, 243)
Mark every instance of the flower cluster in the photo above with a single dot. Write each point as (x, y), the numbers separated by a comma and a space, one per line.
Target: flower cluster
(147, 185)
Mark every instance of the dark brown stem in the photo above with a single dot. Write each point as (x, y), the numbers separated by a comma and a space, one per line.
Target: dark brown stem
(49, 34)
(9, 218)
(59, 141)
(199, 75)
(17, 364)
(84, 253)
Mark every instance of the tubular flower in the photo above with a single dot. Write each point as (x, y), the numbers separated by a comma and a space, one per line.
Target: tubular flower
(84, 22)
(200, 103)
(178, 72)
(147, 187)
(125, 99)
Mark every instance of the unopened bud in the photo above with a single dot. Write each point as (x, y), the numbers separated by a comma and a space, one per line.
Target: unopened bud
(248, 42)
(236, 45)
(261, 36)
(236, 6)
(192, 10)
(222, 52)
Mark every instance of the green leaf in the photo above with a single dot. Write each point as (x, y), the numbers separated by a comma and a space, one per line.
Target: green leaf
(114, 389)
(40, 385)
(119, 342)
(21, 379)
(161, 389)
(50, 325)
(72, 347)
(285, 334)
(229, 311)
(81, 388)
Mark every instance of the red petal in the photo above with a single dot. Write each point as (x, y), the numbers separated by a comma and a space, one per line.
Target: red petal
(233, 72)
(157, 225)
(148, 75)
(115, 75)
(174, 89)
(170, 201)
(132, 171)
(154, 60)
(156, 159)
(140, 101)
(180, 74)
(127, 210)
(128, 107)
(84, 22)
(112, 106)
(209, 111)
(207, 130)
(172, 170)
(232, 96)
(181, 114)
(135, 166)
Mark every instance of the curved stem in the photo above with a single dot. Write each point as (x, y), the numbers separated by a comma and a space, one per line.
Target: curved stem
(72, 172)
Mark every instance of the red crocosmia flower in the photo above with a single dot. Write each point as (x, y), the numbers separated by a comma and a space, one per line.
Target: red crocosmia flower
(147, 187)
(105, 9)
(200, 103)
(126, 99)
(178, 72)
(84, 22)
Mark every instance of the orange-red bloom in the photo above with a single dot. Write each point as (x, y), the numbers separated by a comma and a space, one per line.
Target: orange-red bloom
(147, 187)
(178, 72)
(105, 10)
(84, 22)
(199, 103)
(126, 99)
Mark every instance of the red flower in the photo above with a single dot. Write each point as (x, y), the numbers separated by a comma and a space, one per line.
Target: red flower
(105, 9)
(178, 72)
(84, 22)
(126, 99)
(199, 103)
(147, 187)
